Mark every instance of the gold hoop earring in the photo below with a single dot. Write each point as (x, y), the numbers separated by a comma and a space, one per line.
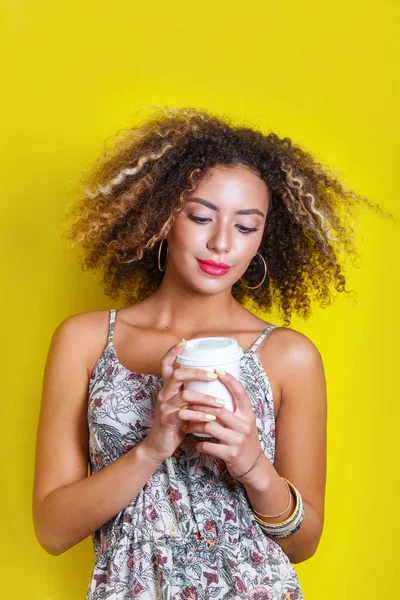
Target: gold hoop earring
(159, 254)
(265, 274)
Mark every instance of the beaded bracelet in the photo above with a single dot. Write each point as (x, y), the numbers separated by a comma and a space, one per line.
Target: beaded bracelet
(277, 530)
(284, 524)
(288, 526)
(288, 531)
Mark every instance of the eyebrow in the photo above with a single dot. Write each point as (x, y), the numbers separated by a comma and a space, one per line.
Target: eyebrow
(243, 211)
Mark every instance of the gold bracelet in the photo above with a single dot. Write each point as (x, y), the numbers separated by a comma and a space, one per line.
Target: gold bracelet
(290, 498)
(295, 492)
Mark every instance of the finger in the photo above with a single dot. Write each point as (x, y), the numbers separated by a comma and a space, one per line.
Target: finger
(224, 435)
(191, 397)
(214, 449)
(195, 412)
(237, 391)
(187, 414)
(168, 359)
(225, 417)
(180, 376)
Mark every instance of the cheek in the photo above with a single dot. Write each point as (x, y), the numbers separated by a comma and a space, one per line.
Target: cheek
(186, 235)
(248, 245)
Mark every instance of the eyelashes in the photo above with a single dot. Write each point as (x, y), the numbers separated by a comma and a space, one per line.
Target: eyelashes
(242, 230)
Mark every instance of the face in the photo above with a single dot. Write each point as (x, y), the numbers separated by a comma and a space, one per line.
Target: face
(223, 221)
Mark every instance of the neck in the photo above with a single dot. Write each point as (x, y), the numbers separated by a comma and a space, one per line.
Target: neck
(183, 309)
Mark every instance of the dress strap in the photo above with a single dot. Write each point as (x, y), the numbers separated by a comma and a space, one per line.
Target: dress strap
(111, 324)
(261, 337)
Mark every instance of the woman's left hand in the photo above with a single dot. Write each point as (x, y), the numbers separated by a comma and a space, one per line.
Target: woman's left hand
(239, 444)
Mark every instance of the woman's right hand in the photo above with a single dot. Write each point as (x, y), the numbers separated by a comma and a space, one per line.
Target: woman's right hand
(166, 433)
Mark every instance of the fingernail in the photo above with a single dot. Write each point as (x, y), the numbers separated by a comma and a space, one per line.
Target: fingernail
(220, 371)
(211, 417)
(220, 401)
(185, 406)
(182, 342)
(212, 375)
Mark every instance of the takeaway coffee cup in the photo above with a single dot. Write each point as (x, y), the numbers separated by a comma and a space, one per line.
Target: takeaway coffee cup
(208, 353)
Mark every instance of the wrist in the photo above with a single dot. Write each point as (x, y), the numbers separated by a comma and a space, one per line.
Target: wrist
(258, 480)
(147, 454)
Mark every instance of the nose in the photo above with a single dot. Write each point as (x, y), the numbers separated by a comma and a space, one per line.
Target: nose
(219, 241)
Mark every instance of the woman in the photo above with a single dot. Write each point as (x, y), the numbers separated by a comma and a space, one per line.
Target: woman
(174, 515)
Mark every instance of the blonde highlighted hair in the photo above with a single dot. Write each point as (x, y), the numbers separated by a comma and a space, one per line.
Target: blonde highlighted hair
(129, 197)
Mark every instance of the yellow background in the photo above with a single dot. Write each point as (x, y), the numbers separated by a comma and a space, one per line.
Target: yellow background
(324, 74)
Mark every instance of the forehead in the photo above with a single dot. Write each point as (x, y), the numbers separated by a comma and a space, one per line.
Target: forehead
(233, 184)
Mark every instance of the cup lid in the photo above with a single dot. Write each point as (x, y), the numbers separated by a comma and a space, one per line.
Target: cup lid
(209, 350)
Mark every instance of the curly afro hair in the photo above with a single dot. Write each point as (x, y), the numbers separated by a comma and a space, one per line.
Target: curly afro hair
(129, 197)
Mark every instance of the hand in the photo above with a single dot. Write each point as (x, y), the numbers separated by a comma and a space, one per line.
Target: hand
(166, 432)
(239, 443)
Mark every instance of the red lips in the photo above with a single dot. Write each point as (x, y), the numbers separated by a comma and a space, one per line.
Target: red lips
(212, 268)
(212, 263)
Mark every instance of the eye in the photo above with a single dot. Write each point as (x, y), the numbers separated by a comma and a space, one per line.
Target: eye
(247, 230)
(202, 221)
(198, 219)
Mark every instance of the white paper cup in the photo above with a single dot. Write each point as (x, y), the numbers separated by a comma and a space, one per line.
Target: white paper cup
(208, 353)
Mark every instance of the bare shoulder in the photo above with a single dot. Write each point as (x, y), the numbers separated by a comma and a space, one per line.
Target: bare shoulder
(300, 369)
(291, 348)
(80, 322)
(289, 356)
(88, 331)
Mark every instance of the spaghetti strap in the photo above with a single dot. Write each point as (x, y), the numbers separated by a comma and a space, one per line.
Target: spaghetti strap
(261, 337)
(111, 325)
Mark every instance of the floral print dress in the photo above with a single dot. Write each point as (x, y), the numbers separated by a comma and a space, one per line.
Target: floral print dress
(190, 532)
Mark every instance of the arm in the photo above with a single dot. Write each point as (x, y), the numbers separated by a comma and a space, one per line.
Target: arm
(68, 505)
(300, 451)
